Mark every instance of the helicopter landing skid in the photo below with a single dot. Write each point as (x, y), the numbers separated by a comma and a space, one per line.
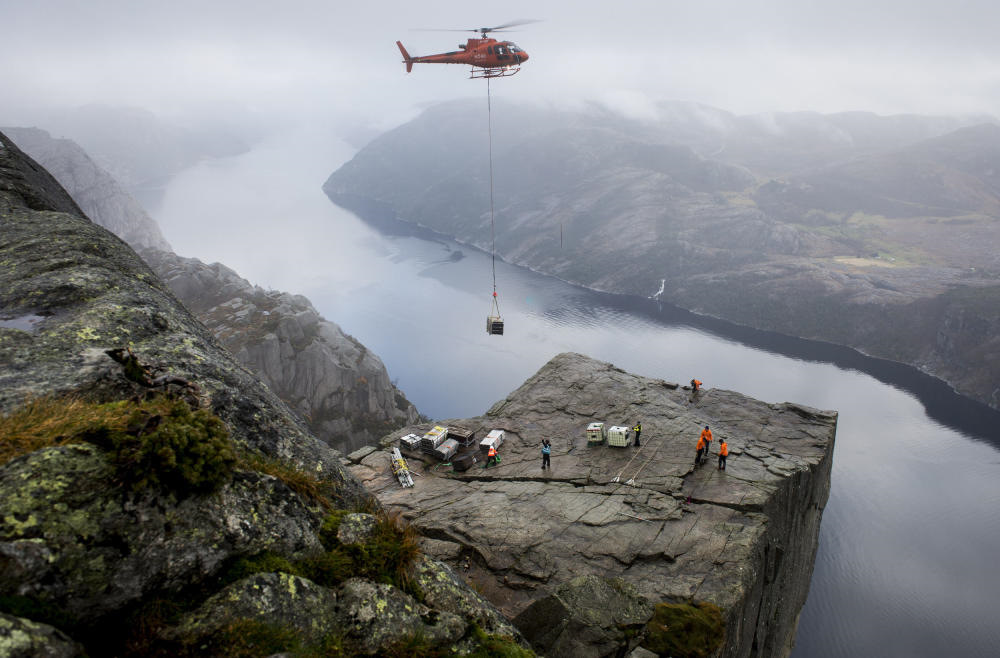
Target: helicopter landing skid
(494, 72)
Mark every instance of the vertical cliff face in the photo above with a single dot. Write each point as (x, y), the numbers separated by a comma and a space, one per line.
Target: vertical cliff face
(340, 388)
(99, 195)
(580, 554)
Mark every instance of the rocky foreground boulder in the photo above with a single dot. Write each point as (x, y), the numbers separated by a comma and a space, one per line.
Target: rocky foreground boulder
(157, 499)
(588, 556)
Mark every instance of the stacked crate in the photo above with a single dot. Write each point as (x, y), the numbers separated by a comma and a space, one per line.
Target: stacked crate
(410, 442)
(494, 438)
(432, 439)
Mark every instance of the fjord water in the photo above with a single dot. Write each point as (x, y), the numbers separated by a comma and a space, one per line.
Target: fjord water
(907, 556)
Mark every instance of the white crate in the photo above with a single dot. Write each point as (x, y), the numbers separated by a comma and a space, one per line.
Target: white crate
(619, 436)
(433, 438)
(446, 450)
(410, 442)
(595, 433)
(494, 438)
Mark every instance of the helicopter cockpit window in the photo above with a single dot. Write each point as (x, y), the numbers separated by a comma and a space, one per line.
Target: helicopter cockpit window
(514, 48)
(500, 50)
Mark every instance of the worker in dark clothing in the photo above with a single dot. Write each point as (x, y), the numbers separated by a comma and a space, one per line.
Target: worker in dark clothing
(723, 453)
(701, 450)
(706, 436)
(546, 452)
(638, 430)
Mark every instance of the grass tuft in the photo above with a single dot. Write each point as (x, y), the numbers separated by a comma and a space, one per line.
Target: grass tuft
(307, 485)
(48, 421)
(160, 442)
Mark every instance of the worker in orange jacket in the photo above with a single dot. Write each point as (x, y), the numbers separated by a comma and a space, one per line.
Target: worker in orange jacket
(706, 436)
(491, 456)
(701, 450)
(723, 453)
(695, 385)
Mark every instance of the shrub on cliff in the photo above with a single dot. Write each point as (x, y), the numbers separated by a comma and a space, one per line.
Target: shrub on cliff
(160, 442)
(685, 630)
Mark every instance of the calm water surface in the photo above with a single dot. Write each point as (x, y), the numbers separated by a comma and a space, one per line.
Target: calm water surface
(908, 546)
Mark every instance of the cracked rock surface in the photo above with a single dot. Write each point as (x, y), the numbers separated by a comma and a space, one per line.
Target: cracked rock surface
(744, 538)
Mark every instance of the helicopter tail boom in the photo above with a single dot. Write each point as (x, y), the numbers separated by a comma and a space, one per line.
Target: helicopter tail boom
(406, 57)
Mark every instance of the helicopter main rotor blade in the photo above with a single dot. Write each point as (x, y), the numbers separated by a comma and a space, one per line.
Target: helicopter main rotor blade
(481, 30)
(523, 21)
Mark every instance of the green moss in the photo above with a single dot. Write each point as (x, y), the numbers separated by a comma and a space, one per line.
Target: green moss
(685, 630)
(246, 638)
(386, 557)
(497, 646)
(267, 562)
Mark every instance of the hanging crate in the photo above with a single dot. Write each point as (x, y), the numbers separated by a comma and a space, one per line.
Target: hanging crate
(494, 325)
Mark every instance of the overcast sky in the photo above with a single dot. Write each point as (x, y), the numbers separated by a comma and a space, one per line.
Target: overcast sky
(336, 59)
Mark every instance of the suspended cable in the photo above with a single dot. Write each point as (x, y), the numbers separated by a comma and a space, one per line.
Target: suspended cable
(494, 323)
(493, 237)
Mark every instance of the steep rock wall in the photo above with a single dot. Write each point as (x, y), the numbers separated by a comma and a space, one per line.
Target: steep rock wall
(99, 195)
(339, 387)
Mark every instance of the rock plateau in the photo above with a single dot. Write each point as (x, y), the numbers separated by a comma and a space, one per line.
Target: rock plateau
(646, 523)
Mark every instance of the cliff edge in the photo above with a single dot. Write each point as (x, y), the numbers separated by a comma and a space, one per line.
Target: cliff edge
(580, 555)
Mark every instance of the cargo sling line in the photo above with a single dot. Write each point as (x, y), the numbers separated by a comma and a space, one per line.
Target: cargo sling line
(494, 322)
(618, 477)
(631, 481)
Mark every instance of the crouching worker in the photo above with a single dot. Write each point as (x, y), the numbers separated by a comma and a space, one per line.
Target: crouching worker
(491, 457)
(723, 453)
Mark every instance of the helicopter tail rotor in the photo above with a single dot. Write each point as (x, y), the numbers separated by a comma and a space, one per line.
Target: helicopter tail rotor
(406, 57)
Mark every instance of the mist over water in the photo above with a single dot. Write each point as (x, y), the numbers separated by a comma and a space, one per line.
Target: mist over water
(906, 558)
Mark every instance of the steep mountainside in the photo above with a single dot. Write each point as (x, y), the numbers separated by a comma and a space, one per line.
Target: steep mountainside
(99, 195)
(880, 232)
(339, 387)
(156, 498)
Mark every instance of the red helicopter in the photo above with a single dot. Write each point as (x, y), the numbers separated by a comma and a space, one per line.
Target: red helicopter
(488, 57)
